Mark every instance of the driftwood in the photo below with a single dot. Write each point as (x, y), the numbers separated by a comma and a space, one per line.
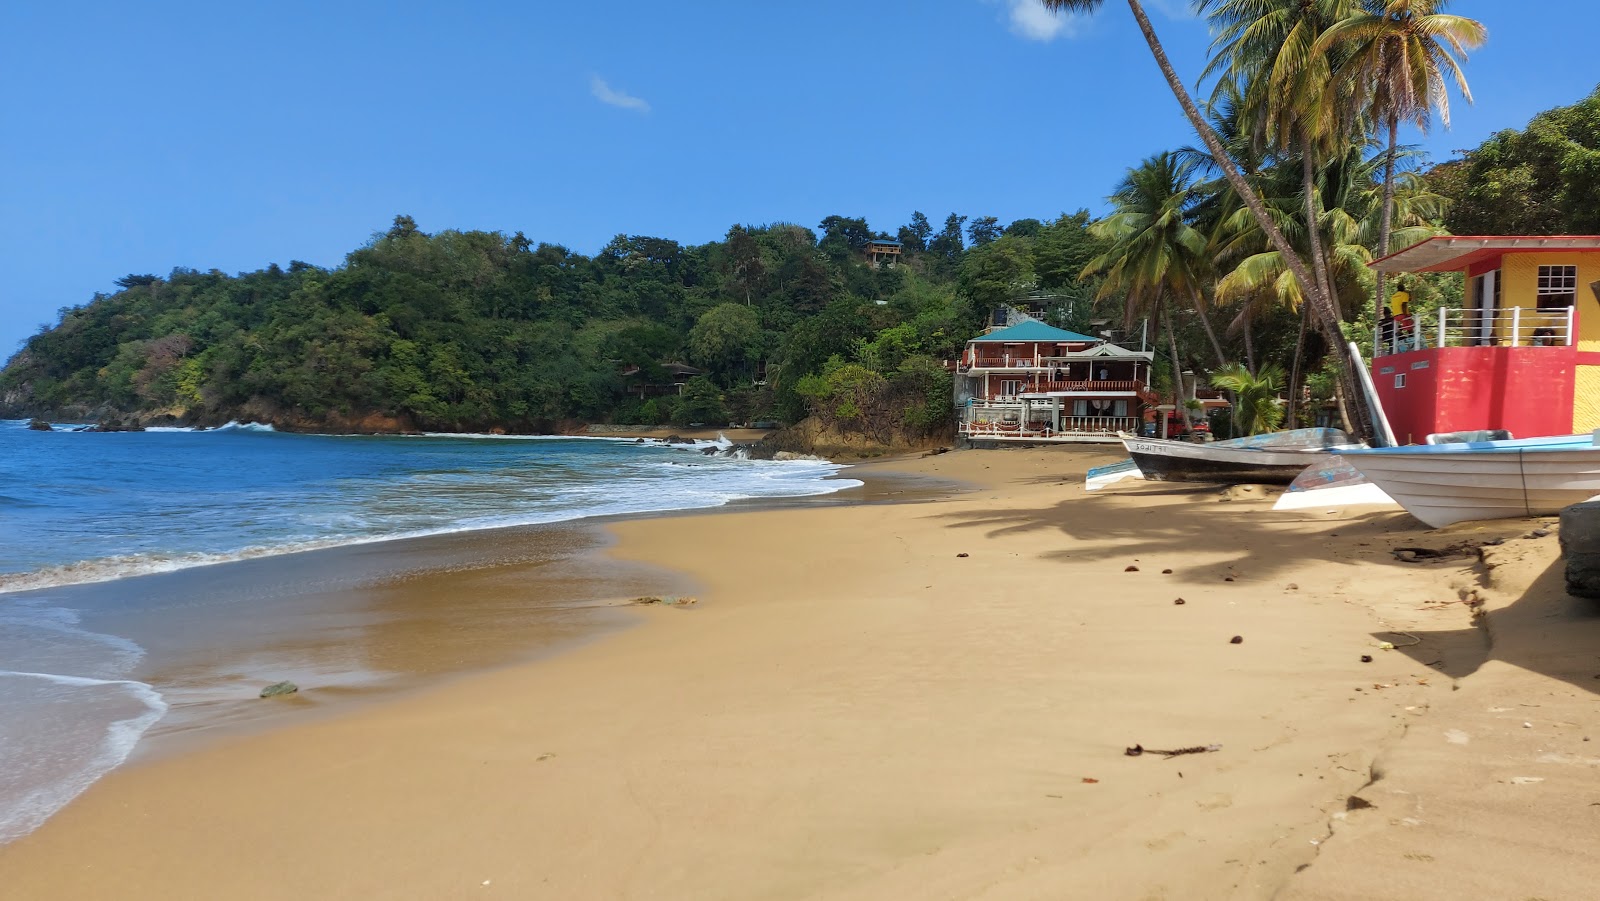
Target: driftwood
(1141, 750)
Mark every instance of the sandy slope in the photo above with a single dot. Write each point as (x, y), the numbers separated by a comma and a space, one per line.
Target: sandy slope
(855, 710)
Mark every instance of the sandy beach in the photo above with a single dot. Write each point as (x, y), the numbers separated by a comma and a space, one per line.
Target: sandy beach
(933, 700)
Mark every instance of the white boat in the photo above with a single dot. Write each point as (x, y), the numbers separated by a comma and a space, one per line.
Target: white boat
(1442, 484)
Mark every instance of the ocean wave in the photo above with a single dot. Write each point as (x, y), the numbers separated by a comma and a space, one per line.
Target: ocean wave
(802, 478)
(62, 780)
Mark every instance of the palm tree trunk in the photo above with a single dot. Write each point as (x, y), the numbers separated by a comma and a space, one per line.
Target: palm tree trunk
(1294, 371)
(1386, 223)
(1177, 365)
(1310, 200)
(1199, 302)
(1249, 346)
(1321, 302)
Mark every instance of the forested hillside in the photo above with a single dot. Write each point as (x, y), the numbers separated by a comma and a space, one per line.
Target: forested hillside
(1541, 180)
(469, 330)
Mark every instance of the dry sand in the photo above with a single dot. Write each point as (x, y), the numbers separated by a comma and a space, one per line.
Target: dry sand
(932, 701)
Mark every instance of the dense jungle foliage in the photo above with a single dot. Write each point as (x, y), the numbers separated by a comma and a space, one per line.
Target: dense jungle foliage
(472, 330)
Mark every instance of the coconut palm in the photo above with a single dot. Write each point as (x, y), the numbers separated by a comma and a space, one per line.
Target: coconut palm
(1321, 302)
(1155, 252)
(1264, 52)
(1398, 57)
(1255, 397)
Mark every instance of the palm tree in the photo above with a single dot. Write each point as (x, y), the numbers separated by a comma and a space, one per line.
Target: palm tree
(1265, 52)
(1154, 253)
(1398, 55)
(1255, 397)
(1321, 302)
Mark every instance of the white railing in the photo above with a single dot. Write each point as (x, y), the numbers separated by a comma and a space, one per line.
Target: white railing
(1469, 327)
(980, 427)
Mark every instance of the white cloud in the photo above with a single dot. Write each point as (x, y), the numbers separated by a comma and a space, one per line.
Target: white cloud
(1030, 20)
(608, 95)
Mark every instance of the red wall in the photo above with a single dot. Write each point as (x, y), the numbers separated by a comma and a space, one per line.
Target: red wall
(1524, 390)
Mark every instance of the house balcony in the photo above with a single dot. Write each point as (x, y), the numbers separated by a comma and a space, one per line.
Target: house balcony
(1033, 389)
(1074, 429)
(1457, 327)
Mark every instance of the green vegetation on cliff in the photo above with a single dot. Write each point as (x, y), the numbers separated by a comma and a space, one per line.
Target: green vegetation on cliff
(473, 330)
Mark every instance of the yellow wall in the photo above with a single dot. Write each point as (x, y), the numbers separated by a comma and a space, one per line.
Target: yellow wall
(1586, 399)
(1519, 273)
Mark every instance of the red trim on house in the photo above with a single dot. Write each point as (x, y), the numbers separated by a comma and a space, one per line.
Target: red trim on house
(1588, 358)
(1484, 261)
(1467, 257)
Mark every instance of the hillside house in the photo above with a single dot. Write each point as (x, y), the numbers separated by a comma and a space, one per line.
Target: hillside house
(1031, 382)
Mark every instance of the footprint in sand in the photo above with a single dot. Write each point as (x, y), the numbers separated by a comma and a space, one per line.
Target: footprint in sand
(1457, 737)
(1215, 802)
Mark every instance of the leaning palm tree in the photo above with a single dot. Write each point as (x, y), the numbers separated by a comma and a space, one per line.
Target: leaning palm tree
(1398, 56)
(1255, 397)
(1321, 303)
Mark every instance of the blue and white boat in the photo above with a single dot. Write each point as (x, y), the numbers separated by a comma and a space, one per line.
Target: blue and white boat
(1442, 484)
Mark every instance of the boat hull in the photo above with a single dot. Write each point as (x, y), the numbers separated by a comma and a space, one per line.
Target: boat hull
(1444, 486)
(1178, 461)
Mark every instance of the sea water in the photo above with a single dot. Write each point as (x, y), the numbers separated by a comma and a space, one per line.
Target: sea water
(93, 507)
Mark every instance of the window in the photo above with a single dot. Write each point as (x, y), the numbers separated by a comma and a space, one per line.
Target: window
(1010, 387)
(1558, 287)
(1399, 380)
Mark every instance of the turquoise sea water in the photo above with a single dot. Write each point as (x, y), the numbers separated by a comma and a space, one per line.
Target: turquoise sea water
(79, 508)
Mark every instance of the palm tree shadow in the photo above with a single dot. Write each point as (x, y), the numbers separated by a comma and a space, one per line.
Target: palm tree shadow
(1545, 631)
(1245, 538)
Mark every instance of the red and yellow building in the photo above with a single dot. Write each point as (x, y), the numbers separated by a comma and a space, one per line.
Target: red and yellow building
(1523, 352)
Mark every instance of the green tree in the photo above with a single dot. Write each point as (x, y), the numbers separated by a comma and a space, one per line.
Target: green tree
(726, 339)
(1155, 254)
(914, 236)
(1398, 56)
(983, 230)
(1255, 397)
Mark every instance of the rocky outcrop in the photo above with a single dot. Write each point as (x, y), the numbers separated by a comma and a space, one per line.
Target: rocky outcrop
(39, 425)
(1580, 545)
(116, 424)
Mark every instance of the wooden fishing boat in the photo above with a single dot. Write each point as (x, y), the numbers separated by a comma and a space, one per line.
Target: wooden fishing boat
(1442, 484)
(1276, 458)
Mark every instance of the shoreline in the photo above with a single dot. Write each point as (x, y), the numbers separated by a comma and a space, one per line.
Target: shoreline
(353, 624)
(869, 700)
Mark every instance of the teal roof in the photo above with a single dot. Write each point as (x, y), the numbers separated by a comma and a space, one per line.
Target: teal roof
(1033, 330)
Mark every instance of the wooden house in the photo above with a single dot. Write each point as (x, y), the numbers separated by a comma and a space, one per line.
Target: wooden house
(1035, 383)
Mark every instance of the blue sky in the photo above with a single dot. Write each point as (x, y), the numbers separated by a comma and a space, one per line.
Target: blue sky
(139, 137)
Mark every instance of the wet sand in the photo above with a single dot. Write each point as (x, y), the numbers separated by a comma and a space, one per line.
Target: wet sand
(928, 701)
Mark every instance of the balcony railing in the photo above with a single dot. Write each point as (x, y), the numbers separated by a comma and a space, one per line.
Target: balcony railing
(1044, 385)
(1457, 327)
(1070, 426)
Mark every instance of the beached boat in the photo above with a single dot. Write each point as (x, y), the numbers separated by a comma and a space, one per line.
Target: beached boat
(1276, 458)
(1331, 484)
(1442, 484)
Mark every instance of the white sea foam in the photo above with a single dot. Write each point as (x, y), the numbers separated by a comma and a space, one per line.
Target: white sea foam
(747, 480)
(42, 777)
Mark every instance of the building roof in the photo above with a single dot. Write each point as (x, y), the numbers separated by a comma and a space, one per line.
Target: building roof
(884, 241)
(1455, 252)
(1033, 330)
